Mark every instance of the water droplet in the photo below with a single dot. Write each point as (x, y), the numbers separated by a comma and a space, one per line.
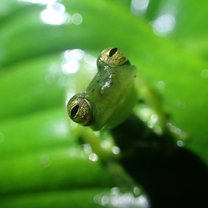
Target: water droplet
(75, 54)
(153, 120)
(116, 150)
(117, 199)
(164, 24)
(93, 157)
(54, 14)
(139, 6)
(70, 67)
(87, 148)
(72, 61)
(177, 131)
(77, 19)
(104, 200)
(136, 190)
(180, 143)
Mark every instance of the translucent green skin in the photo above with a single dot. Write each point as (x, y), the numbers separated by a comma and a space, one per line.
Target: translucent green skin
(111, 95)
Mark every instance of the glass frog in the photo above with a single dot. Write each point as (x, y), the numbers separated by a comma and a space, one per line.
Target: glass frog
(113, 94)
(121, 101)
(109, 97)
(116, 92)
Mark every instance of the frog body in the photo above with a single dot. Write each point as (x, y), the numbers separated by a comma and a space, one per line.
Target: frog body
(110, 95)
(132, 111)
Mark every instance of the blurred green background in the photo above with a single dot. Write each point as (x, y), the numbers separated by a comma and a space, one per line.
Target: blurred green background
(48, 51)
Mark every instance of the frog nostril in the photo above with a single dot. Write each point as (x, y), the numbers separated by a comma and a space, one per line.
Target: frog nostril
(74, 111)
(112, 52)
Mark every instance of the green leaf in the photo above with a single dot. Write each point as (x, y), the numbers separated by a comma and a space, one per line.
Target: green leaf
(34, 86)
(55, 199)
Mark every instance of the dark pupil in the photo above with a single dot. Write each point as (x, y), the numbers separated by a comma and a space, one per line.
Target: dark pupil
(112, 51)
(74, 110)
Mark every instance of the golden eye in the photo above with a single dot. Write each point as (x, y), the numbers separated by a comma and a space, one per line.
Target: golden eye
(79, 110)
(111, 57)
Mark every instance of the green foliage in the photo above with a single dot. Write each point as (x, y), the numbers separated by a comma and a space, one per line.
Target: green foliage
(39, 149)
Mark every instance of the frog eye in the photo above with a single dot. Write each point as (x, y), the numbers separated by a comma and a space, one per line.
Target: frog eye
(111, 57)
(79, 110)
